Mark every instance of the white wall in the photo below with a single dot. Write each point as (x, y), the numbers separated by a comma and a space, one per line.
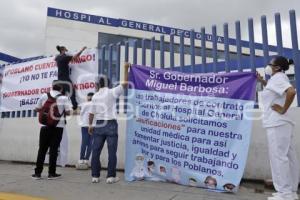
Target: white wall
(258, 166)
(74, 35)
(19, 142)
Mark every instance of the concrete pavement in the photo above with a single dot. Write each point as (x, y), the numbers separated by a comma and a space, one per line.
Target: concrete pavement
(76, 185)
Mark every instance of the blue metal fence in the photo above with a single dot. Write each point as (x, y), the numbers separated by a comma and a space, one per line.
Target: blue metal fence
(242, 61)
(110, 55)
(250, 61)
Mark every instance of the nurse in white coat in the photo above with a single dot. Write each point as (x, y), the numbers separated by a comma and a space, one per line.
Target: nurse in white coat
(277, 96)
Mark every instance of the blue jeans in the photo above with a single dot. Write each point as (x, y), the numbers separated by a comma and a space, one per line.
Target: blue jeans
(106, 130)
(86, 144)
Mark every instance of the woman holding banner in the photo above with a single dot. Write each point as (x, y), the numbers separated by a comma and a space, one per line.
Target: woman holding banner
(63, 60)
(277, 97)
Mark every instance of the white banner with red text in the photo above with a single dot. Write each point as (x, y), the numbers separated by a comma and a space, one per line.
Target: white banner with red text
(24, 83)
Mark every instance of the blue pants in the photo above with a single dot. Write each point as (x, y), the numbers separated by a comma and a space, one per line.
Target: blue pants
(86, 144)
(106, 130)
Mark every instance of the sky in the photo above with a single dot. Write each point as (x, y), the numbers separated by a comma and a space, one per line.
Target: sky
(23, 22)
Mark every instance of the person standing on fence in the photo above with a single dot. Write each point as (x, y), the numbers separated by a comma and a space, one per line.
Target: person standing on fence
(105, 114)
(63, 60)
(52, 108)
(277, 96)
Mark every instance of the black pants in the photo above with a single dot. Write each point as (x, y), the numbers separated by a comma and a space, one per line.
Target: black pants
(50, 138)
(68, 89)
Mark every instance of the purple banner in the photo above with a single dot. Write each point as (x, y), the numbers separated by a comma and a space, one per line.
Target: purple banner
(234, 85)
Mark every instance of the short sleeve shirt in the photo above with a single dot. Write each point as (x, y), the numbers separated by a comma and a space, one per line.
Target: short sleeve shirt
(104, 103)
(275, 93)
(62, 62)
(63, 103)
(85, 109)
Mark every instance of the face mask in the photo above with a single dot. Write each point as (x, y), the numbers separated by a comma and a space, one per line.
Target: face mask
(268, 70)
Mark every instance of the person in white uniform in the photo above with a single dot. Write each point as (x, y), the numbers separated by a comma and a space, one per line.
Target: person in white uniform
(277, 96)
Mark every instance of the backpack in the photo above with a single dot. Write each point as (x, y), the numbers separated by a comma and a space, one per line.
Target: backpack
(49, 114)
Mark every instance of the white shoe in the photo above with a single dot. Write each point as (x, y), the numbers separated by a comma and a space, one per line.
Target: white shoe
(82, 166)
(86, 162)
(95, 180)
(111, 180)
(80, 162)
(277, 196)
(294, 195)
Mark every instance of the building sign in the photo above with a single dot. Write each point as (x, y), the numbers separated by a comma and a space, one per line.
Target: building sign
(124, 23)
